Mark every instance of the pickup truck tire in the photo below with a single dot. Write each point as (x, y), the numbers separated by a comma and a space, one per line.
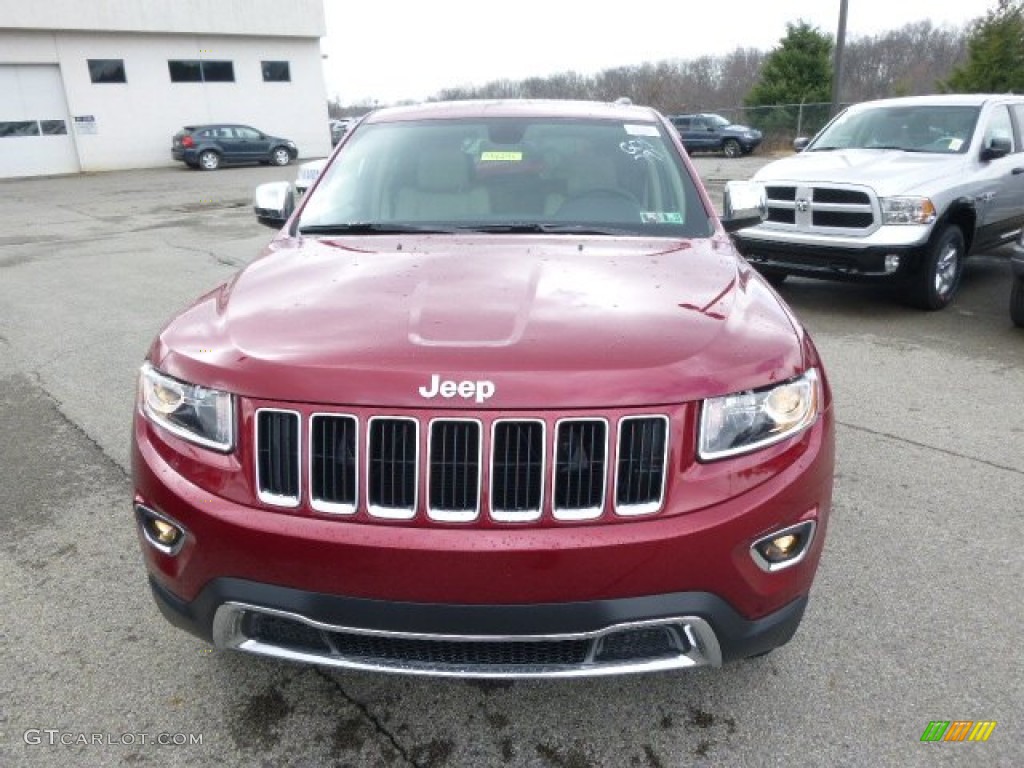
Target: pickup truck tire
(936, 282)
(732, 148)
(1017, 302)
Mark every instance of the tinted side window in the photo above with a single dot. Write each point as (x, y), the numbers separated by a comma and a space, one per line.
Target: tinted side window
(242, 132)
(1018, 115)
(999, 126)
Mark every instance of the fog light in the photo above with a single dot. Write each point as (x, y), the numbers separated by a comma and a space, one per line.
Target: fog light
(892, 263)
(165, 532)
(784, 548)
(162, 533)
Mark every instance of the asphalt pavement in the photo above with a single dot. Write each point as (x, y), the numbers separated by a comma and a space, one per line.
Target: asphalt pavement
(915, 615)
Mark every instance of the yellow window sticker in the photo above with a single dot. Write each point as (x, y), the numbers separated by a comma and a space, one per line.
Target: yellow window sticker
(508, 157)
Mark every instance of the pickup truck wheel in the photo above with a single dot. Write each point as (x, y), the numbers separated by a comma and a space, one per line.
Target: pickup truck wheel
(1017, 302)
(936, 282)
(732, 148)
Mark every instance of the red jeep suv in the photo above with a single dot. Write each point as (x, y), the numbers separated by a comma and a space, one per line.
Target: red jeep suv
(499, 399)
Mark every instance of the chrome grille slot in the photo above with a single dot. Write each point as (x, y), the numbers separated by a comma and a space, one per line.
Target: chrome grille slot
(642, 455)
(277, 457)
(580, 450)
(334, 463)
(392, 467)
(454, 480)
(517, 470)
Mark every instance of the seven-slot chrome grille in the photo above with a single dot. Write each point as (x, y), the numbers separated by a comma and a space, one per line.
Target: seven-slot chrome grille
(467, 468)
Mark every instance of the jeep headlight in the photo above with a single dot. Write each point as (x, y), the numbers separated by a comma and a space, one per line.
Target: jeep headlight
(745, 421)
(907, 210)
(197, 414)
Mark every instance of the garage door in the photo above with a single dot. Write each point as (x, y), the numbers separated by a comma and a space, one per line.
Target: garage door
(35, 129)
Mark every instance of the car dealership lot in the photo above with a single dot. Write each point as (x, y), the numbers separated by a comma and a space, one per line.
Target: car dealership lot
(914, 615)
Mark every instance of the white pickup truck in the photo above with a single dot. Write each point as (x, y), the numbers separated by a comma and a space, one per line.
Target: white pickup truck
(896, 190)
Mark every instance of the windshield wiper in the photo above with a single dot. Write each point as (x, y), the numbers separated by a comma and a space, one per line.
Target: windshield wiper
(374, 228)
(530, 227)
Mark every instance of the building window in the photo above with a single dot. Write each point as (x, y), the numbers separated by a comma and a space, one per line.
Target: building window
(13, 128)
(218, 71)
(53, 127)
(200, 71)
(106, 70)
(276, 72)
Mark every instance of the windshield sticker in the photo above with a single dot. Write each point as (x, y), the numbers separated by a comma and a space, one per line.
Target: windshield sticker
(955, 144)
(634, 129)
(641, 149)
(501, 157)
(659, 217)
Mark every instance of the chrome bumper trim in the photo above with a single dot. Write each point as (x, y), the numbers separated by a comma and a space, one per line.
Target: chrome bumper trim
(697, 647)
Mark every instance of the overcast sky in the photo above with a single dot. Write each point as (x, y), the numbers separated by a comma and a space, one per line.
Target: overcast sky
(389, 50)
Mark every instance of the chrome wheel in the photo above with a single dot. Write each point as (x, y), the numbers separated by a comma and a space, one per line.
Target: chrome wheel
(947, 271)
(280, 156)
(731, 148)
(934, 284)
(209, 160)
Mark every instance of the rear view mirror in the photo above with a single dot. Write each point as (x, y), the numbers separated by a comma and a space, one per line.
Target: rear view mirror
(800, 143)
(998, 146)
(274, 203)
(744, 204)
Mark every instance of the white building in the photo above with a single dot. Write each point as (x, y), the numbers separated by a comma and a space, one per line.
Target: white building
(96, 86)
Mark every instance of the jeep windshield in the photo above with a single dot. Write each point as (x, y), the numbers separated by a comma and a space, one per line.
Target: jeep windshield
(939, 129)
(507, 175)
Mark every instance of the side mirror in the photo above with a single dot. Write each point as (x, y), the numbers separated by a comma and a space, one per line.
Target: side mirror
(998, 146)
(273, 203)
(744, 204)
(800, 143)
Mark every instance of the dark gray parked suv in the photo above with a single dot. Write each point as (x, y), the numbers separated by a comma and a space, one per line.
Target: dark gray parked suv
(713, 133)
(210, 146)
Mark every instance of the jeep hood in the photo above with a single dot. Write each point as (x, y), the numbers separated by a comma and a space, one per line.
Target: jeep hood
(549, 321)
(887, 171)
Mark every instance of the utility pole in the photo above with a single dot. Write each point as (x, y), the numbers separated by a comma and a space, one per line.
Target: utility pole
(837, 64)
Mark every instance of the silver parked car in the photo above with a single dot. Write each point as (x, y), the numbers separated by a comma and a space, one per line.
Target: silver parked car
(897, 190)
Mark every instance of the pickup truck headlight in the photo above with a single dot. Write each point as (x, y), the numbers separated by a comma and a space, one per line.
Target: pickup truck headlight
(197, 414)
(745, 421)
(907, 210)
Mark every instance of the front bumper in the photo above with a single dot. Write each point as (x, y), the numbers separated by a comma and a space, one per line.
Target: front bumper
(682, 587)
(601, 637)
(829, 262)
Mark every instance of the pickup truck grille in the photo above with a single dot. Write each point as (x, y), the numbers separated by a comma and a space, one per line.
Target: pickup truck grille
(821, 208)
(374, 467)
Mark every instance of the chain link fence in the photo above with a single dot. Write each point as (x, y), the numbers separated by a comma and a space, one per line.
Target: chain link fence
(781, 123)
